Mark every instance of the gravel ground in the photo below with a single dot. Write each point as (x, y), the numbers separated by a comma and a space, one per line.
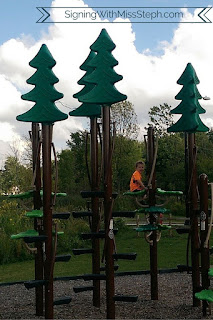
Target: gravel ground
(175, 300)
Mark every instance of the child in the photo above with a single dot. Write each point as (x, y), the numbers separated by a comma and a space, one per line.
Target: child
(136, 183)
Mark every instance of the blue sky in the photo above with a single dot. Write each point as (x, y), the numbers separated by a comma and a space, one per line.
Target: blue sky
(149, 77)
(19, 17)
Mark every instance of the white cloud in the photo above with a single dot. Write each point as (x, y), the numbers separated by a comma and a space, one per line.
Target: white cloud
(147, 79)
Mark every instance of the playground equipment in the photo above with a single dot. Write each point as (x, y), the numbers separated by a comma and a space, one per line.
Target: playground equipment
(98, 95)
(46, 113)
(190, 123)
(152, 230)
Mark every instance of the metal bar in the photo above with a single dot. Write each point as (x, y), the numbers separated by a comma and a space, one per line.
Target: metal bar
(152, 201)
(193, 207)
(109, 245)
(95, 210)
(47, 207)
(205, 259)
(39, 273)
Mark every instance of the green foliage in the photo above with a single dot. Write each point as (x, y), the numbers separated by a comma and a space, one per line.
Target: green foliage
(12, 221)
(15, 174)
(161, 118)
(125, 119)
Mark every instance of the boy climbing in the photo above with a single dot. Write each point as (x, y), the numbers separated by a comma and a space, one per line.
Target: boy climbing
(136, 183)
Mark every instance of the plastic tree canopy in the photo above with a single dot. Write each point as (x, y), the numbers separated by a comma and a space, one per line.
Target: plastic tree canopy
(189, 107)
(86, 110)
(103, 76)
(43, 94)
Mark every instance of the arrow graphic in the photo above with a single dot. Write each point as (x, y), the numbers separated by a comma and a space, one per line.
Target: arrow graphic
(202, 14)
(45, 15)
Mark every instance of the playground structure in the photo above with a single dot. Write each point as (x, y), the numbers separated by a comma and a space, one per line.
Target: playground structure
(97, 96)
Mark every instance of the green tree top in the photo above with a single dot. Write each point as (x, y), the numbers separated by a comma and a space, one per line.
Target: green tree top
(85, 109)
(189, 107)
(43, 94)
(104, 76)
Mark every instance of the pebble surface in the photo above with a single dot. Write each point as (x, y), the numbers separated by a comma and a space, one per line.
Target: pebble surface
(175, 300)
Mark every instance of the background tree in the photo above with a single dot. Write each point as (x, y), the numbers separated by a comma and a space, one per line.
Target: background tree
(125, 118)
(161, 117)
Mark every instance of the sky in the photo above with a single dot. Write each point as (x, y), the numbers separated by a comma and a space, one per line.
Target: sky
(152, 52)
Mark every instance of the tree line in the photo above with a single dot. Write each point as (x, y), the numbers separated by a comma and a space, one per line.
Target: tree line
(72, 164)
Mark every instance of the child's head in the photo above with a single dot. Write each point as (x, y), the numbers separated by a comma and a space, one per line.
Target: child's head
(140, 165)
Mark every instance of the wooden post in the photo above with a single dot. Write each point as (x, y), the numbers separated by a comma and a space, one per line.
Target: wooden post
(95, 210)
(47, 207)
(193, 209)
(152, 201)
(110, 286)
(39, 273)
(205, 259)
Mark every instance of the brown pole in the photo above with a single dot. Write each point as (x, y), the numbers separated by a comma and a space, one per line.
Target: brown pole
(95, 210)
(47, 207)
(152, 201)
(193, 209)
(39, 273)
(205, 259)
(109, 245)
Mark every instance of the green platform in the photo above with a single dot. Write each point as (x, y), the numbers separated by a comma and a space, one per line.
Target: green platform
(135, 194)
(151, 227)
(29, 194)
(159, 191)
(34, 214)
(30, 233)
(206, 295)
(152, 209)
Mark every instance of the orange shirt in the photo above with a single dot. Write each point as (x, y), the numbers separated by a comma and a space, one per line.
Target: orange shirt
(133, 183)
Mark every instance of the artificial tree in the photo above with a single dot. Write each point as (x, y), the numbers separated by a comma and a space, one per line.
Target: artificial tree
(104, 92)
(190, 123)
(45, 112)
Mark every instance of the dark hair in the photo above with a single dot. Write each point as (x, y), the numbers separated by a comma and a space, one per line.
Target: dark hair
(139, 162)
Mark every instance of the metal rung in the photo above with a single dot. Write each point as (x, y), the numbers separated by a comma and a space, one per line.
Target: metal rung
(127, 214)
(32, 239)
(82, 289)
(77, 252)
(63, 258)
(62, 300)
(126, 256)
(125, 298)
(182, 230)
(93, 276)
(82, 214)
(34, 284)
(95, 194)
(61, 215)
(104, 268)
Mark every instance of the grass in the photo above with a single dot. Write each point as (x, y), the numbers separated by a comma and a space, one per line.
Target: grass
(171, 251)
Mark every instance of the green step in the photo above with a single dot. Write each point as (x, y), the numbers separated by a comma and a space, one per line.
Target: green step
(34, 214)
(29, 194)
(206, 295)
(168, 193)
(151, 227)
(30, 233)
(147, 227)
(153, 209)
(135, 194)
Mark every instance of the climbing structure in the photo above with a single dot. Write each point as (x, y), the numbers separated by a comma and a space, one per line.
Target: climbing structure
(190, 123)
(100, 90)
(152, 230)
(45, 230)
